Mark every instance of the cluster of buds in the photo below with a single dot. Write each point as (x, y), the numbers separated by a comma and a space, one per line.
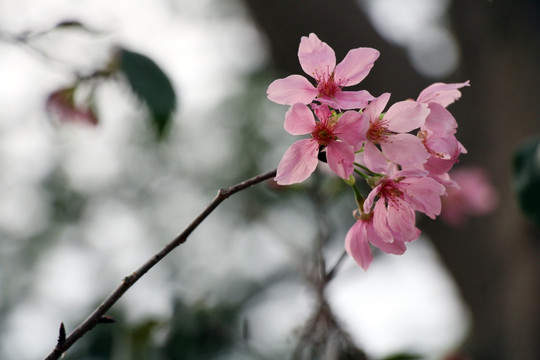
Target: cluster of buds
(404, 153)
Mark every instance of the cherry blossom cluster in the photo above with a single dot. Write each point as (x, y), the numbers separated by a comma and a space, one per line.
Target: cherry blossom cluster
(403, 153)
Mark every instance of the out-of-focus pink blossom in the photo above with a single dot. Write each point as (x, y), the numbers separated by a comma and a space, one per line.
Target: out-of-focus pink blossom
(318, 60)
(391, 133)
(476, 196)
(337, 135)
(60, 106)
(441, 93)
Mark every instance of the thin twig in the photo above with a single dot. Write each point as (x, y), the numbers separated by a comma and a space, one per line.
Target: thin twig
(94, 318)
(330, 275)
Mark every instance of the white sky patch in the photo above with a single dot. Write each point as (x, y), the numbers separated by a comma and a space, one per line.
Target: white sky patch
(276, 315)
(31, 331)
(402, 303)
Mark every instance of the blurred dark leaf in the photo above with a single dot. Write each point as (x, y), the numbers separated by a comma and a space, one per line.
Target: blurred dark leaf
(403, 356)
(70, 24)
(77, 25)
(194, 332)
(141, 338)
(152, 86)
(527, 178)
(99, 345)
(199, 332)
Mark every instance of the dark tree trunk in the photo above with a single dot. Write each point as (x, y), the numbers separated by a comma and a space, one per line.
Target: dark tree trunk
(496, 260)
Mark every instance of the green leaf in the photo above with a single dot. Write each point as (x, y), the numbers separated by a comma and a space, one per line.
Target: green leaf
(527, 178)
(152, 86)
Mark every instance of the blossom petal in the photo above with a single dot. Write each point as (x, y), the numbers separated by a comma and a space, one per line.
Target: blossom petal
(290, 90)
(322, 112)
(299, 120)
(438, 166)
(402, 222)
(371, 197)
(395, 247)
(410, 236)
(316, 57)
(462, 149)
(355, 66)
(405, 116)
(350, 128)
(357, 246)
(443, 147)
(298, 162)
(424, 195)
(376, 107)
(364, 127)
(380, 222)
(340, 158)
(441, 93)
(405, 149)
(374, 158)
(352, 99)
(449, 184)
(440, 121)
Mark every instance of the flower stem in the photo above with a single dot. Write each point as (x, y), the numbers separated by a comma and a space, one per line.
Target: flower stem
(361, 174)
(371, 173)
(358, 197)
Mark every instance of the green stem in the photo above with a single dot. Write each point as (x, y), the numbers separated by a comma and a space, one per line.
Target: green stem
(371, 173)
(361, 174)
(358, 197)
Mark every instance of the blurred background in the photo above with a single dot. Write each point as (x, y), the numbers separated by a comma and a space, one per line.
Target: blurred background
(88, 193)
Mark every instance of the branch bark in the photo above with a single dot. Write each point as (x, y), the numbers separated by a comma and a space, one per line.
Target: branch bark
(95, 317)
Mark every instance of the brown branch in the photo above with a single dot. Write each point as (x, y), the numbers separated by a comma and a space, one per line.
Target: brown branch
(330, 275)
(96, 316)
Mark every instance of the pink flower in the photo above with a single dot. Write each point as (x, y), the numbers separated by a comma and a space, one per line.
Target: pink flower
(390, 132)
(441, 93)
(400, 193)
(336, 134)
(391, 223)
(319, 61)
(361, 234)
(437, 135)
(476, 196)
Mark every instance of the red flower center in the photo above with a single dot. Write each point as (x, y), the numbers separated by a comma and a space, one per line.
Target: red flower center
(323, 133)
(377, 132)
(328, 87)
(392, 193)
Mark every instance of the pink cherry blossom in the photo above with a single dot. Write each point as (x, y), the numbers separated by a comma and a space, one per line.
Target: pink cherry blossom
(441, 93)
(318, 60)
(474, 196)
(336, 134)
(399, 194)
(437, 135)
(361, 234)
(390, 132)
